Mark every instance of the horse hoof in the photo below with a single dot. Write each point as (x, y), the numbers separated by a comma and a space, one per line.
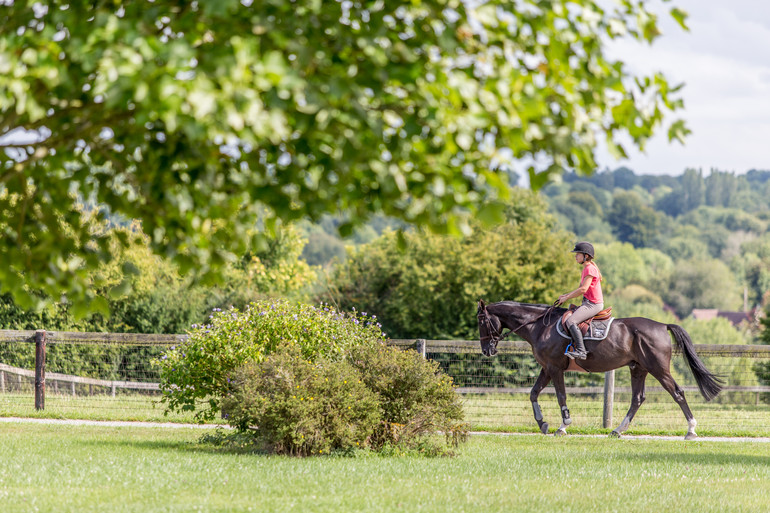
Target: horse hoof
(690, 436)
(544, 428)
(614, 434)
(560, 432)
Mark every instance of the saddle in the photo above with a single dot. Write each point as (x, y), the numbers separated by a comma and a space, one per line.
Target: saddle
(597, 327)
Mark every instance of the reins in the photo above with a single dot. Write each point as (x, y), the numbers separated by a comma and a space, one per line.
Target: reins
(484, 317)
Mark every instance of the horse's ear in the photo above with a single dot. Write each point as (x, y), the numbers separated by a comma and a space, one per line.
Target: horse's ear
(481, 304)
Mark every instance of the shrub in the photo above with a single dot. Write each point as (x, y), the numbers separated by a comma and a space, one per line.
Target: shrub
(198, 368)
(295, 406)
(380, 398)
(416, 399)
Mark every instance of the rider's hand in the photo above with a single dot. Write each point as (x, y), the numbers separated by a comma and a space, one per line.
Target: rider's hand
(562, 299)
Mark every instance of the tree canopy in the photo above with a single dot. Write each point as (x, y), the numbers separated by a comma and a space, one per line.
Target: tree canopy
(204, 119)
(430, 288)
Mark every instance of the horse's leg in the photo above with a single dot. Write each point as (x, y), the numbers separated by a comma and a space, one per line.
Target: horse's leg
(671, 386)
(561, 395)
(638, 375)
(540, 384)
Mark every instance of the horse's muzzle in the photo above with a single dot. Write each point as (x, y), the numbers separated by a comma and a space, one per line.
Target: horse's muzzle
(489, 351)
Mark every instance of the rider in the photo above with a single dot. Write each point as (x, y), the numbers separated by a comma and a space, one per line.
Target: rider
(593, 300)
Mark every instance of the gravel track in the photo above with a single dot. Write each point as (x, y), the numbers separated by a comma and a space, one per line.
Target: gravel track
(174, 425)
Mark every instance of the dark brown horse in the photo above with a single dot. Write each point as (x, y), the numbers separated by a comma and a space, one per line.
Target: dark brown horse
(642, 344)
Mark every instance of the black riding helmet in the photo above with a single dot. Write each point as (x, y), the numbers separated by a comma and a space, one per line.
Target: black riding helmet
(584, 247)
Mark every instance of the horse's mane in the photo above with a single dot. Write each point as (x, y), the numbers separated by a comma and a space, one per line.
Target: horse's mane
(556, 311)
(517, 303)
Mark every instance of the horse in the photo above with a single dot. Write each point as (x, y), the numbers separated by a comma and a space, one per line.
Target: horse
(644, 345)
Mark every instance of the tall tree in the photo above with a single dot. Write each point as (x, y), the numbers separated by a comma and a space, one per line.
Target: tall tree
(694, 188)
(633, 221)
(193, 116)
(429, 289)
(721, 188)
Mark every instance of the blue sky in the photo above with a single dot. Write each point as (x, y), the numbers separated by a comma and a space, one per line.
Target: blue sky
(724, 61)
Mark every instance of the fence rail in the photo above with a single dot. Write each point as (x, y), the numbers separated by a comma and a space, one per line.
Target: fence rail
(489, 397)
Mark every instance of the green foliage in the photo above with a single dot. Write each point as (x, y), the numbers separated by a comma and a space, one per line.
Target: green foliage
(199, 368)
(379, 397)
(416, 398)
(194, 118)
(633, 221)
(429, 288)
(636, 301)
(762, 369)
(298, 407)
(323, 248)
(147, 294)
(274, 268)
(621, 264)
(754, 266)
(688, 196)
(721, 189)
(700, 284)
(586, 202)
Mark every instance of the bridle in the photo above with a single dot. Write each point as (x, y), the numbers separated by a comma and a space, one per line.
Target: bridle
(495, 337)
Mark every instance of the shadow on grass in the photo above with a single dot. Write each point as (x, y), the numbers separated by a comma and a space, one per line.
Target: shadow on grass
(196, 446)
(699, 458)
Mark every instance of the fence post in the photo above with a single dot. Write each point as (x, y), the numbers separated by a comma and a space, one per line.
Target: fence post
(420, 343)
(2, 382)
(40, 370)
(609, 397)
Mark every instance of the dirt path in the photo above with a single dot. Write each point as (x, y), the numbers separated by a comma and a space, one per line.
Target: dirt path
(107, 423)
(174, 425)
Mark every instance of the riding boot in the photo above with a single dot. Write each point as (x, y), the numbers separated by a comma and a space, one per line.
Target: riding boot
(578, 349)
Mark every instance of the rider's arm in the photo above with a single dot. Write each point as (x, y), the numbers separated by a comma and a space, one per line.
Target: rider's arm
(582, 289)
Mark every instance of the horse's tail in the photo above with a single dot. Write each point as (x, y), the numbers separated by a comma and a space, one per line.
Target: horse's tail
(709, 384)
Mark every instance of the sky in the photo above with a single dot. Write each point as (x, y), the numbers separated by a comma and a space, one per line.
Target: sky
(724, 62)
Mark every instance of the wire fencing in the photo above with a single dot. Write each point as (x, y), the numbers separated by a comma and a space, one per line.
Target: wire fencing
(106, 376)
(110, 376)
(496, 391)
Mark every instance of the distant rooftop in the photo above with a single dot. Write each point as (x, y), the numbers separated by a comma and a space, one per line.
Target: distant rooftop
(735, 318)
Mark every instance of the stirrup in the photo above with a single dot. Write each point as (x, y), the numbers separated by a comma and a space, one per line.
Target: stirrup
(576, 355)
(573, 354)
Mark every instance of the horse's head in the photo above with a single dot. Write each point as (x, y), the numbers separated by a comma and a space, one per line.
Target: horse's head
(489, 330)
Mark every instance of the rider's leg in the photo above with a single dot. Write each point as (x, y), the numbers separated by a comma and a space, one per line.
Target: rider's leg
(584, 312)
(578, 348)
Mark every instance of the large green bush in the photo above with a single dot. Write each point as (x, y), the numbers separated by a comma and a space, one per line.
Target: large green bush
(378, 398)
(295, 406)
(199, 368)
(416, 398)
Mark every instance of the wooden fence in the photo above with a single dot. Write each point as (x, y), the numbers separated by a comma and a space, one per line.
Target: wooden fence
(42, 339)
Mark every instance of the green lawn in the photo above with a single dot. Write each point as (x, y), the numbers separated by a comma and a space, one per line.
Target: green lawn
(86, 468)
(128, 407)
(661, 415)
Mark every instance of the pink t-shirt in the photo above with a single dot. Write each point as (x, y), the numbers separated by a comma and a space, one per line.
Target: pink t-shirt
(594, 292)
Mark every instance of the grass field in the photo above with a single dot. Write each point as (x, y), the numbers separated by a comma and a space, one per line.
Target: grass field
(661, 415)
(135, 407)
(87, 468)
